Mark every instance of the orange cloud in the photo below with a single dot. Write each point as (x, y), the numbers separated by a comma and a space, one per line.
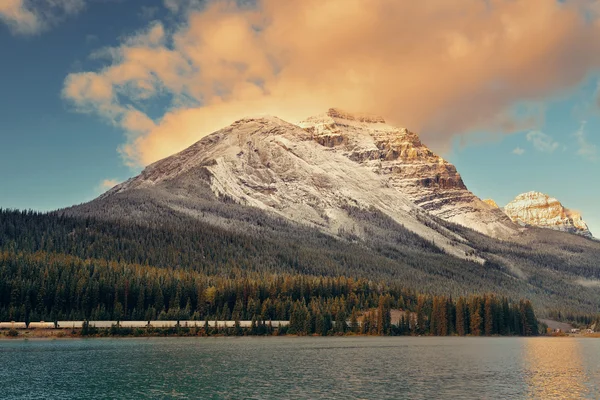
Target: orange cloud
(440, 68)
(28, 17)
(107, 184)
(18, 17)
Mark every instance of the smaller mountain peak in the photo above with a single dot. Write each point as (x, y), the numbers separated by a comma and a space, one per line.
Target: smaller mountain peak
(541, 210)
(360, 117)
(491, 202)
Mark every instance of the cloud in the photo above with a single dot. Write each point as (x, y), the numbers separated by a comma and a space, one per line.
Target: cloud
(542, 142)
(28, 17)
(107, 184)
(180, 6)
(91, 39)
(518, 151)
(585, 149)
(440, 68)
(148, 12)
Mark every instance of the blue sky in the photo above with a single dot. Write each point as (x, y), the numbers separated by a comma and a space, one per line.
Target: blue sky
(93, 90)
(493, 170)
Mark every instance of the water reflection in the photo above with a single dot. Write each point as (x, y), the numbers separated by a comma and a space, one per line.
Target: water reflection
(554, 369)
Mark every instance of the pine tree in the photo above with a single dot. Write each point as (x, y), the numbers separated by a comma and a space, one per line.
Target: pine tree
(488, 316)
(354, 327)
(460, 317)
(475, 316)
(384, 316)
(421, 315)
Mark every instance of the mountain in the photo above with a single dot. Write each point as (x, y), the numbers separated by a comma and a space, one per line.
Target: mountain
(337, 194)
(285, 170)
(312, 174)
(539, 209)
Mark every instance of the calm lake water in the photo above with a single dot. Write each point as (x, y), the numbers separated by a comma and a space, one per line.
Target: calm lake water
(301, 368)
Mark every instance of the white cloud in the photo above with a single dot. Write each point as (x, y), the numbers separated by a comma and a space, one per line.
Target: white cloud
(28, 17)
(518, 151)
(148, 12)
(542, 142)
(91, 38)
(585, 148)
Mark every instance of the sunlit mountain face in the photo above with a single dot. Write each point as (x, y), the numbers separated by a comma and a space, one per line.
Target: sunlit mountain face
(538, 209)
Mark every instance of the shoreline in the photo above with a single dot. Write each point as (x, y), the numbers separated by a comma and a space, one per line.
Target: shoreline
(60, 334)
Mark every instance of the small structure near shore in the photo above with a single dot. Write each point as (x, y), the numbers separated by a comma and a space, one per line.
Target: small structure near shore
(13, 325)
(41, 325)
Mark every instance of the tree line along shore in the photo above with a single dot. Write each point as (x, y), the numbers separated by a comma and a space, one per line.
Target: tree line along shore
(484, 315)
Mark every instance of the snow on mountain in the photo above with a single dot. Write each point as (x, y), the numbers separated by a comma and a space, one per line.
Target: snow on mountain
(311, 173)
(279, 167)
(539, 209)
(399, 158)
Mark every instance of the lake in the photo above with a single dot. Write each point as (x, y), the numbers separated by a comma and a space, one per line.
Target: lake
(301, 368)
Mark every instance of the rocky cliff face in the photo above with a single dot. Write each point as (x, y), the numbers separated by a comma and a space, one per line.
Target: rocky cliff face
(399, 158)
(539, 209)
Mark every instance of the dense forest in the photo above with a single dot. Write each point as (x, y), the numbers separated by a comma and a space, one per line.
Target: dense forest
(49, 287)
(61, 268)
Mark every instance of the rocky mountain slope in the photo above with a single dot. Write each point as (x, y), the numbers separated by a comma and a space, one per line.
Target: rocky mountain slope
(401, 161)
(272, 165)
(539, 209)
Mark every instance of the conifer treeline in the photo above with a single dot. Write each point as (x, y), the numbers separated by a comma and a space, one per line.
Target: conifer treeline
(45, 286)
(577, 319)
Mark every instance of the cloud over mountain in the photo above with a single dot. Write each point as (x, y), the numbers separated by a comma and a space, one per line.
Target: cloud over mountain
(439, 68)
